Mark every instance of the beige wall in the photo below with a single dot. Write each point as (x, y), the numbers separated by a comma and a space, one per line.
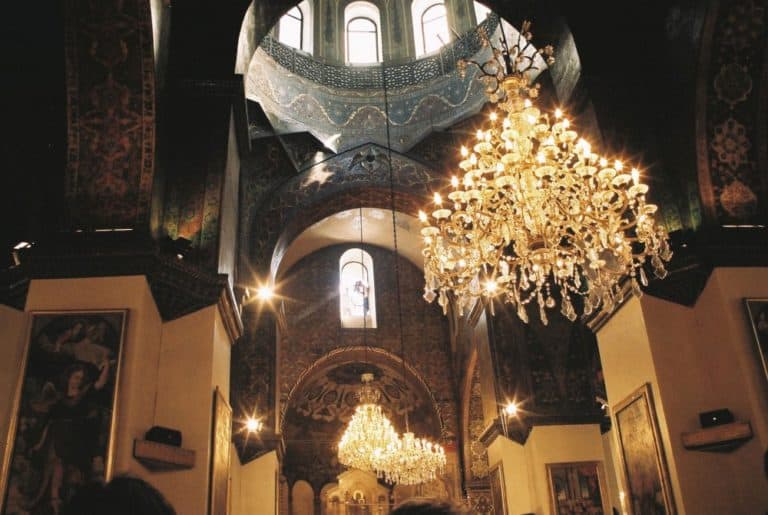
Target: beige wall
(254, 487)
(525, 467)
(194, 360)
(611, 479)
(518, 483)
(13, 327)
(138, 378)
(167, 376)
(697, 359)
(560, 444)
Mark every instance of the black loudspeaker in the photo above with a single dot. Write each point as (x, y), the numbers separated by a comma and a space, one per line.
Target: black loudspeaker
(164, 435)
(715, 418)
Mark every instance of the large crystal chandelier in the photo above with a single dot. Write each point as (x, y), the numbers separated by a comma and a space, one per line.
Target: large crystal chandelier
(536, 214)
(369, 435)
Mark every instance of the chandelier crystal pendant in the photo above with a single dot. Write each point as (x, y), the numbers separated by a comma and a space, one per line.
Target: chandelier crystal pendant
(413, 461)
(536, 215)
(369, 434)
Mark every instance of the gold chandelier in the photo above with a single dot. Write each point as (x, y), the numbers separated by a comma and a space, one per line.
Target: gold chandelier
(536, 214)
(413, 461)
(370, 435)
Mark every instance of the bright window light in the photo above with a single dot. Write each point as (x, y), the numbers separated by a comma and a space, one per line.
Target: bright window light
(357, 295)
(291, 25)
(481, 12)
(294, 28)
(363, 37)
(430, 26)
(434, 25)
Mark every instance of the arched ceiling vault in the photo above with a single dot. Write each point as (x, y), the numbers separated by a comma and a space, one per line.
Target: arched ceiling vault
(345, 226)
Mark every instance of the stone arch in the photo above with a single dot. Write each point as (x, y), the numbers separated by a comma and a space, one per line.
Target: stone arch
(323, 399)
(360, 355)
(302, 498)
(359, 177)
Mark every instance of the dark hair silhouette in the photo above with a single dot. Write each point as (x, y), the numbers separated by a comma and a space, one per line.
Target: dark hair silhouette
(426, 507)
(124, 495)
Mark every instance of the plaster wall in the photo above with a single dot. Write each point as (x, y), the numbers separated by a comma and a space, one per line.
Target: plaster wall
(697, 359)
(559, 444)
(611, 477)
(229, 207)
(167, 373)
(137, 382)
(518, 484)
(194, 360)
(526, 484)
(254, 487)
(13, 327)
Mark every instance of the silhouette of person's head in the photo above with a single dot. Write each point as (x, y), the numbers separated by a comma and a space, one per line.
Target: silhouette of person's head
(123, 495)
(426, 507)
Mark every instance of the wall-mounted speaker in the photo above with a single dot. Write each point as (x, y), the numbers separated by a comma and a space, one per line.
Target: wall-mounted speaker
(164, 435)
(715, 418)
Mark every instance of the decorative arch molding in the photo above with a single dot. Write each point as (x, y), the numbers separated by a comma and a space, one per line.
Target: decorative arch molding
(358, 177)
(732, 114)
(360, 354)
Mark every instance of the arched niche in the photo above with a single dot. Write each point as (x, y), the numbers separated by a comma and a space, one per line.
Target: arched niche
(322, 402)
(302, 498)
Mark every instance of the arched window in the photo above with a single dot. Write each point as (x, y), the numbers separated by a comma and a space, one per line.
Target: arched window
(363, 37)
(357, 295)
(481, 12)
(430, 26)
(294, 28)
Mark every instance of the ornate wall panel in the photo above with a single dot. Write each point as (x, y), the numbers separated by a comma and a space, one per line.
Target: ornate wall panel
(732, 104)
(478, 454)
(345, 118)
(110, 83)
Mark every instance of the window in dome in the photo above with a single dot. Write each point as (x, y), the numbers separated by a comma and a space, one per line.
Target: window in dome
(363, 35)
(430, 29)
(357, 299)
(294, 28)
(481, 12)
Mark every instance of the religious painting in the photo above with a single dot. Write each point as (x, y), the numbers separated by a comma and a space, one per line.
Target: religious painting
(758, 316)
(498, 497)
(576, 488)
(61, 433)
(220, 447)
(642, 456)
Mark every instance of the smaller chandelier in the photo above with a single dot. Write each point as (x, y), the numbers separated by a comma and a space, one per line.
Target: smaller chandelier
(369, 434)
(413, 461)
(536, 215)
